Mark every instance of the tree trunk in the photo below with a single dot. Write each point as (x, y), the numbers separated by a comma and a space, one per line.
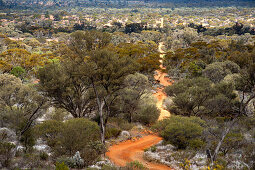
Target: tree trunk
(102, 126)
(100, 105)
(224, 134)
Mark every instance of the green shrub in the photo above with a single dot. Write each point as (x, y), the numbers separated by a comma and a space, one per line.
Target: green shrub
(108, 167)
(160, 125)
(147, 114)
(121, 123)
(135, 165)
(50, 131)
(61, 166)
(6, 152)
(112, 132)
(66, 161)
(28, 139)
(66, 138)
(126, 126)
(18, 72)
(183, 132)
(44, 156)
(153, 149)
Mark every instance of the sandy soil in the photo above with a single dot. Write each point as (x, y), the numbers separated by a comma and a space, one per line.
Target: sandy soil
(129, 150)
(163, 80)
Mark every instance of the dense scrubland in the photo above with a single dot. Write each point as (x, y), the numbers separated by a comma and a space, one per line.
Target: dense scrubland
(74, 81)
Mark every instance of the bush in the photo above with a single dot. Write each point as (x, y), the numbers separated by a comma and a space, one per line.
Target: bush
(18, 72)
(218, 70)
(182, 132)
(66, 161)
(112, 132)
(61, 166)
(147, 114)
(44, 156)
(66, 138)
(135, 165)
(31, 160)
(6, 153)
(121, 123)
(50, 131)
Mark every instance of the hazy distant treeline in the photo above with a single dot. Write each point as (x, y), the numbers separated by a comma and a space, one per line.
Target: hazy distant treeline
(123, 3)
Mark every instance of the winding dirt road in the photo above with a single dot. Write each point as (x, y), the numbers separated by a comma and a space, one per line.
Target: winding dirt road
(163, 80)
(129, 150)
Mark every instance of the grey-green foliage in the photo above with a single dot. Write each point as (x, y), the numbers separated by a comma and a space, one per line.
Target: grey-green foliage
(67, 86)
(147, 114)
(20, 105)
(182, 132)
(199, 96)
(66, 138)
(136, 100)
(73, 162)
(136, 86)
(217, 71)
(6, 153)
(61, 166)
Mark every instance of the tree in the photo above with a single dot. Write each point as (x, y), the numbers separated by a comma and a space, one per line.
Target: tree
(217, 71)
(135, 100)
(68, 87)
(136, 88)
(190, 96)
(84, 41)
(246, 84)
(200, 97)
(20, 105)
(88, 75)
(107, 74)
(146, 55)
(20, 58)
(133, 27)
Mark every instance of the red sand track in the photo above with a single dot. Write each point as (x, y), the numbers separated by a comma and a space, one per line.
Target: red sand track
(160, 95)
(129, 150)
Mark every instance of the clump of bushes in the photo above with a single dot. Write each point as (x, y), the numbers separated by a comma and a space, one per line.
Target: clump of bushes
(182, 132)
(112, 132)
(147, 114)
(135, 165)
(61, 166)
(66, 138)
(120, 123)
(6, 153)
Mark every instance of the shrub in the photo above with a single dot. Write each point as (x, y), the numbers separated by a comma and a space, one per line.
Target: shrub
(61, 166)
(6, 153)
(183, 132)
(18, 72)
(50, 131)
(135, 165)
(66, 138)
(147, 114)
(108, 167)
(153, 149)
(121, 123)
(112, 132)
(66, 161)
(44, 156)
